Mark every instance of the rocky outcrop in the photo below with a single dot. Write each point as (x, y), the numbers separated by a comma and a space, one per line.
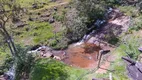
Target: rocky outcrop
(115, 27)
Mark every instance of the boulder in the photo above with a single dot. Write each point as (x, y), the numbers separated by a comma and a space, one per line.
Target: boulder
(45, 15)
(55, 9)
(34, 6)
(38, 13)
(32, 19)
(35, 47)
(51, 20)
(20, 24)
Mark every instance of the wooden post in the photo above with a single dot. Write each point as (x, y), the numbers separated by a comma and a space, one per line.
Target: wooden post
(102, 52)
(99, 59)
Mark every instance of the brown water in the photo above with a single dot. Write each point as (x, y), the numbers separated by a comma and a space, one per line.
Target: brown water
(83, 56)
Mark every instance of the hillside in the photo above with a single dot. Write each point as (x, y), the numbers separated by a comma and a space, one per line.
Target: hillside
(70, 39)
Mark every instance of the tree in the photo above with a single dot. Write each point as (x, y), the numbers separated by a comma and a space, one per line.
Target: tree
(82, 14)
(92, 9)
(8, 11)
(75, 25)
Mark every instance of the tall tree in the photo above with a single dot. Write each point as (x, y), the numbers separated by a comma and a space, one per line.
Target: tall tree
(92, 9)
(82, 14)
(8, 11)
(75, 25)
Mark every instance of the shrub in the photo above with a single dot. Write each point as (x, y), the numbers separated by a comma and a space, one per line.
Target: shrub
(113, 40)
(136, 23)
(130, 46)
(47, 69)
(76, 26)
(5, 62)
(23, 62)
(60, 17)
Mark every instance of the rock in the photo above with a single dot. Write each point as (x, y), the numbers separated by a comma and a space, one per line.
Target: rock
(20, 24)
(51, 20)
(18, 33)
(140, 58)
(15, 20)
(44, 19)
(25, 10)
(35, 34)
(140, 49)
(30, 13)
(32, 19)
(43, 3)
(65, 7)
(45, 15)
(2, 77)
(35, 47)
(113, 14)
(89, 58)
(34, 6)
(38, 13)
(27, 29)
(55, 8)
(102, 45)
(97, 43)
(53, 0)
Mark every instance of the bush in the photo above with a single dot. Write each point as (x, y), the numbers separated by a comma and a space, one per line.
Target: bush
(137, 25)
(5, 62)
(24, 62)
(60, 44)
(113, 40)
(47, 69)
(76, 26)
(130, 46)
(59, 17)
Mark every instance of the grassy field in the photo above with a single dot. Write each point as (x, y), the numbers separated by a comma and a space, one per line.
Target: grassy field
(28, 3)
(54, 70)
(38, 32)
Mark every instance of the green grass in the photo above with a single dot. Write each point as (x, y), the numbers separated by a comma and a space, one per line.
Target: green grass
(39, 32)
(2, 57)
(5, 61)
(48, 69)
(130, 44)
(136, 17)
(137, 24)
(129, 10)
(28, 3)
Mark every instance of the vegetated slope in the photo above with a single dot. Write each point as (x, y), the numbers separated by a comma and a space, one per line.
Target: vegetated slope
(40, 32)
(42, 25)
